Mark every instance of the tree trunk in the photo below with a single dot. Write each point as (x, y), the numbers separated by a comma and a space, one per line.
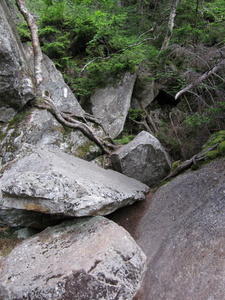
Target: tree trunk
(170, 25)
(35, 40)
(45, 102)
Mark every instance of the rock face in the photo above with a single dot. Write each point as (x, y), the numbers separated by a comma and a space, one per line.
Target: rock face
(53, 182)
(111, 104)
(84, 259)
(54, 83)
(33, 126)
(16, 87)
(39, 127)
(143, 159)
(182, 232)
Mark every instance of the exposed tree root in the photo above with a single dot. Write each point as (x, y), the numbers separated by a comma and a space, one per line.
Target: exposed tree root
(45, 102)
(68, 121)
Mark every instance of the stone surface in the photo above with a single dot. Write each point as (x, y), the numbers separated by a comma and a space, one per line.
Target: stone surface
(52, 182)
(16, 87)
(111, 105)
(181, 229)
(39, 127)
(89, 258)
(54, 83)
(28, 218)
(143, 159)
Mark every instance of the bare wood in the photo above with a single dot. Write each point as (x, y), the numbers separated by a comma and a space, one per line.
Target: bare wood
(44, 101)
(188, 163)
(149, 118)
(68, 121)
(170, 25)
(200, 79)
(35, 40)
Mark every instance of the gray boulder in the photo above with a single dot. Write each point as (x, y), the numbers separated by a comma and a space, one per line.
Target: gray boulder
(54, 83)
(16, 86)
(181, 229)
(52, 182)
(111, 104)
(90, 258)
(143, 159)
(39, 127)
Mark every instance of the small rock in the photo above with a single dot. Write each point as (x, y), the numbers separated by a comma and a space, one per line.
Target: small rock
(143, 159)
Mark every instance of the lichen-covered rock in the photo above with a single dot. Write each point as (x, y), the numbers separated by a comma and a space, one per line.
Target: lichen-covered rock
(143, 158)
(52, 182)
(90, 258)
(112, 103)
(16, 86)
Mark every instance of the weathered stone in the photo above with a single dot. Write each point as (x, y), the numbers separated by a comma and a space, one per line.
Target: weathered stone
(25, 233)
(6, 114)
(182, 232)
(53, 182)
(16, 86)
(111, 105)
(28, 218)
(143, 159)
(39, 127)
(91, 258)
(54, 83)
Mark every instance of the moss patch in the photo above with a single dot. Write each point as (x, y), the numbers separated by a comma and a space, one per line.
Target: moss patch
(8, 241)
(216, 138)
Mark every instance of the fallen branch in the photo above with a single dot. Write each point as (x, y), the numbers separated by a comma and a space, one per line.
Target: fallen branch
(188, 163)
(200, 79)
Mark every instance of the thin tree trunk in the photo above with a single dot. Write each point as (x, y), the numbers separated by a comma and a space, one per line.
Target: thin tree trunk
(201, 78)
(35, 40)
(170, 25)
(45, 102)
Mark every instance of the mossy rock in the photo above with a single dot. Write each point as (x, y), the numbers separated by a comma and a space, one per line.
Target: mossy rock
(216, 138)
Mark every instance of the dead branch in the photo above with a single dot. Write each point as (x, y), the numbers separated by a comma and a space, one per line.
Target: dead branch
(149, 118)
(188, 163)
(119, 51)
(143, 123)
(200, 79)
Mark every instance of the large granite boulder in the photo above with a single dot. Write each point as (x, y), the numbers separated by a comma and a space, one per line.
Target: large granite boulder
(143, 158)
(88, 258)
(181, 229)
(111, 104)
(39, 127)
(53, 182)
(54, 83)
(16, 86)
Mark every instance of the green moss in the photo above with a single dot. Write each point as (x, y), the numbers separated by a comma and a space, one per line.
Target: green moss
(221, 148)
(175, 164)
(17, 119)
(85, 150)
(125, 139)
(216, 138)
(212, 154)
